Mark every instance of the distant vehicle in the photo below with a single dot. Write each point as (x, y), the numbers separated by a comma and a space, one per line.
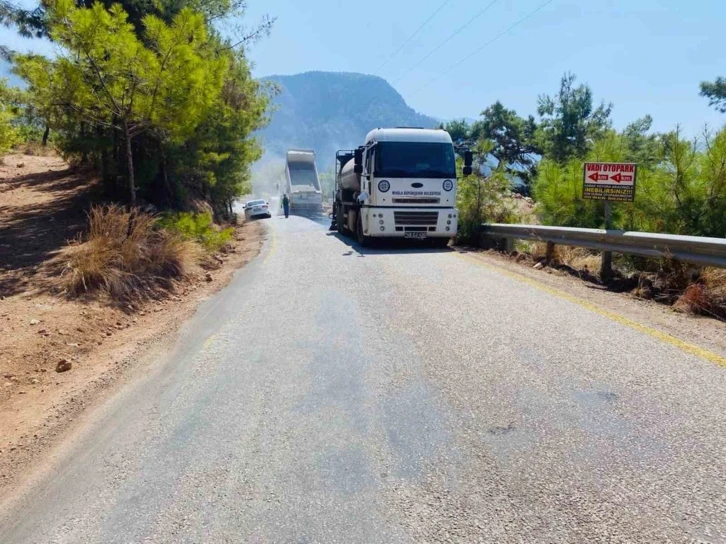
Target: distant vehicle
(401, 183)
(302, 185)
(257, 208)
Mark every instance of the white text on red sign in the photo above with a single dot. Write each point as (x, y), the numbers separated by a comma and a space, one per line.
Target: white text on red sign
(610, 173)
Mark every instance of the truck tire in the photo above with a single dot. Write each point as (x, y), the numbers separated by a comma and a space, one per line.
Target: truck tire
(363, 240)
(340, 221)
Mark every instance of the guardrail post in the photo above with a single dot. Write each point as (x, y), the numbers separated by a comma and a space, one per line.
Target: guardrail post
(606, 265)
(550, 251)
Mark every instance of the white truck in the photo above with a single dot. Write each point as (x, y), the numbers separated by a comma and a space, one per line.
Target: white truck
(301, 184)
(401, 183)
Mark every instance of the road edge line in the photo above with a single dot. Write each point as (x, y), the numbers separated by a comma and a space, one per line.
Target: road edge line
(655, 333)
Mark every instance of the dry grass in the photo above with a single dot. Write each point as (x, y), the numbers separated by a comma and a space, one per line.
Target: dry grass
(126, 256)
(715, 279)
(686, 288)
(706, 296)
(578, 258)
(35, 149)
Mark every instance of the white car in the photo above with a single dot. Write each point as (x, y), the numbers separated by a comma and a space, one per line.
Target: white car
(257, 208)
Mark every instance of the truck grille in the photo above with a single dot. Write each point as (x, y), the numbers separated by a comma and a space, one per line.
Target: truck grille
(415, 218)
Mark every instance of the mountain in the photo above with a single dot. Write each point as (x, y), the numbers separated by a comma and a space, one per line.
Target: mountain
(327, 111)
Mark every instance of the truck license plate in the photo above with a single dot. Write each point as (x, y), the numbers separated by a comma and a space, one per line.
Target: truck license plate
(418, 235)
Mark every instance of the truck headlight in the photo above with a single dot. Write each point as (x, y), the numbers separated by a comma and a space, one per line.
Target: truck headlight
(383, 186)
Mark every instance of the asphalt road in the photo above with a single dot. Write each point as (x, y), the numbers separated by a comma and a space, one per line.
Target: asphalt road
(387, 395)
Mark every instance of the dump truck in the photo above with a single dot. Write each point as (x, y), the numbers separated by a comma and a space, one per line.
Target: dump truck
(301, 182)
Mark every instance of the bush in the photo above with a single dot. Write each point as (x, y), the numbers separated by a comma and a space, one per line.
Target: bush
(9, 135)
(482, 200)
(125, 256)
(198, 227)
(680, 191)
(558, 192)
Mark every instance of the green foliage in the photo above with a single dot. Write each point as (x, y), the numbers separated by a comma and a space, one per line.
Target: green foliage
(686, 192)
(149, 92)
(513, 138)
(681, 184)
(36, 22)
(569, 121)
(9, 133)
(458, 129)
(716, 93)
(640, 147)
(28, 22)
(108, 77)
(198, 227)
(327, 183)
(215, 161)
(558, 191)
(482, 199)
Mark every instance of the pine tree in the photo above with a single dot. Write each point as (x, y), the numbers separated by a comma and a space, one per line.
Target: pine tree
(107, 77)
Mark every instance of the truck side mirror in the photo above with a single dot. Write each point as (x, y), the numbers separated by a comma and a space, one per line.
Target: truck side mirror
(468, 160)
(358, 161)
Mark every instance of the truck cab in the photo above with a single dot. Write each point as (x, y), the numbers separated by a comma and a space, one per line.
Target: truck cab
(401, 183)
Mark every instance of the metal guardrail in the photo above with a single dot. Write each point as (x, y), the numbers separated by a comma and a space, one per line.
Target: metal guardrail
(692, 249)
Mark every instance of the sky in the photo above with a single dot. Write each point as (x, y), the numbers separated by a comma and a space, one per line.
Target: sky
(644, 56)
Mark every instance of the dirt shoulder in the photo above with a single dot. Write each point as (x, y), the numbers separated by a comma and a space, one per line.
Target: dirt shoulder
(43, 206)
(704, 332)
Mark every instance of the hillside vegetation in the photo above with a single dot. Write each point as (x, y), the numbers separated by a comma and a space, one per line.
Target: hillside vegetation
(681, 186)
(149, 94)
(153, 110)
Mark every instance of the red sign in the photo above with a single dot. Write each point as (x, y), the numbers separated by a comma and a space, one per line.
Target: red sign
(609, 181)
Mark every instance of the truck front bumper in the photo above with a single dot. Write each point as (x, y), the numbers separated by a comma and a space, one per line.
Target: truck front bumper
(409, 222)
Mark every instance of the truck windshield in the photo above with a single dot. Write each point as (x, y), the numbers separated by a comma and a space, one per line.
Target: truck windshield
(415, 160)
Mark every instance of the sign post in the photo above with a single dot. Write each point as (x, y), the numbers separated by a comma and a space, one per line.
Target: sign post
(606, 264)
(609, 182)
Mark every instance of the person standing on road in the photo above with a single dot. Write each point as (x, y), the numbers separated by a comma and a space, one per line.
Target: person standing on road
(286, 205)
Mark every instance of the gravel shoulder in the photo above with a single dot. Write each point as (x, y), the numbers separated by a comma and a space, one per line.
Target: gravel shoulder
(703, 332)
(43, 203)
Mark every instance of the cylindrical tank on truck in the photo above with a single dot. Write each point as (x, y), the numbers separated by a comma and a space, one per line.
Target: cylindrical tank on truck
(348, 179)
(400, 183)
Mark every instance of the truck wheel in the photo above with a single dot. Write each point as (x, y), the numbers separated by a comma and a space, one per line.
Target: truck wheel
(362, 238)
(340, 221)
